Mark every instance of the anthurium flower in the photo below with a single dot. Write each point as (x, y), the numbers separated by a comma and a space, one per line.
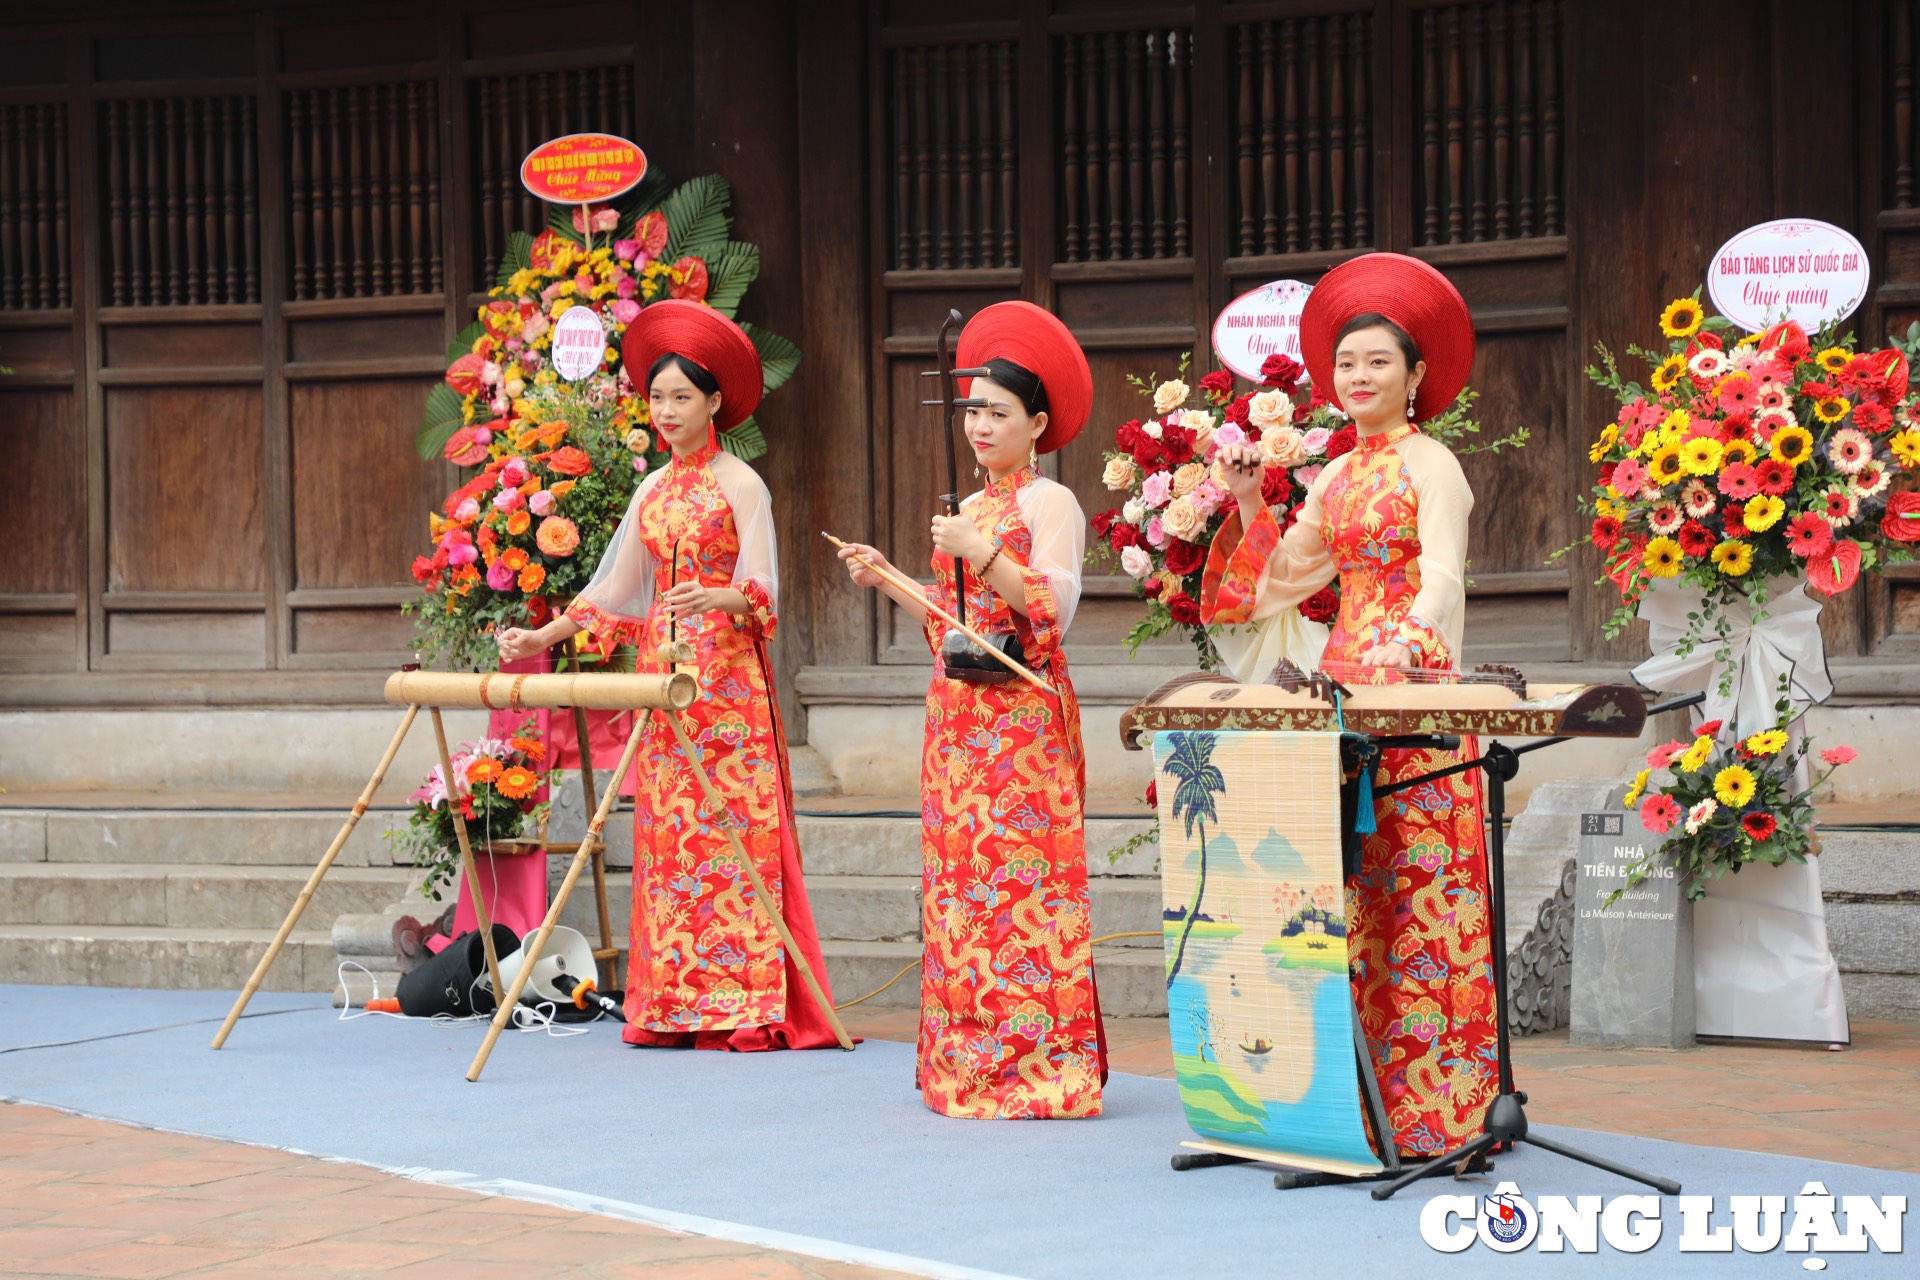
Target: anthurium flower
(1902, 521)
(464, 374)
(1837, 569)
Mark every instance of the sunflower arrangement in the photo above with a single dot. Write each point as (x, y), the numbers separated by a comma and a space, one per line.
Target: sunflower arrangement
(1725, 801)
(556, 461)
(1750, 458)
(496, 782)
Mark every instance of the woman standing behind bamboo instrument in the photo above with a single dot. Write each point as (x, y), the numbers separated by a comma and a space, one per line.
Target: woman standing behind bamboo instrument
(706, 968)
(1392, 340)
(1009, 1020)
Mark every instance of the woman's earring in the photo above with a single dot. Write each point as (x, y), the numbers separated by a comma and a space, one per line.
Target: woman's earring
(1411, 393)
(1033, 454)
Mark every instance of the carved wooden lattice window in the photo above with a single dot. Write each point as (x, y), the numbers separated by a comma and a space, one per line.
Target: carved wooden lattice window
(1488, 84)
(952, 137)
(1901, 27)
(33, 207)
(1125, 145)
(1303, 134)
(363, 178)
(183, 201)
(514, 114)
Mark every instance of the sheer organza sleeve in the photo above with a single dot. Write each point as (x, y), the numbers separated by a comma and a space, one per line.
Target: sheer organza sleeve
(1255, 573)
(756, 575)
(1436, 621)
(615, 602)
(1052, 571)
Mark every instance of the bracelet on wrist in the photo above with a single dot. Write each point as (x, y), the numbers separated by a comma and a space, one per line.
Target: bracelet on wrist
(988, 562)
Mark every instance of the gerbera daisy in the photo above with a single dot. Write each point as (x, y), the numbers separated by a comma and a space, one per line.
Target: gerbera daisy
(1773, 475)
(1669, 372)
(1665, 466)
(1839, 755)
(1739, 481)
(518, 782)
(1659, 813)
(1868, 481)
(1766, 743)
(1736, 451)
(1910, 412)
(1758, 826)
(1763, 512)
(1849, 450)
(1841, 508)
(485, 769)
(1770, 371)
(1832, 359)
(1629, 478)
(1665, 517)
(1662, 756)
(1707, 364)
(1675, 425)
(1638, 789)
(1792, 445)
(1694, 757)
(1905, 445)
(1606, 533)
(1771, 398)
(1698, 499)
(1734, 785)
(1871, 418)
(1831, 409)
(1682, 318)
(1608, 436)
(1767, 421)
(1700, 456)
(1737, 393)
(1662, 558)
(1701, 814)
(1733, 558)
(1695, 538)
(1809, 535)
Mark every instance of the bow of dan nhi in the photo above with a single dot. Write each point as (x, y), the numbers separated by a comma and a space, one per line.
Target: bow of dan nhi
(507, 691)
(1400, 709)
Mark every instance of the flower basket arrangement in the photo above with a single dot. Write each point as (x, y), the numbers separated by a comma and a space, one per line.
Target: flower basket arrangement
(496, 782)
(1727, 800)
(1772, 456)
(1174, 498)
(557, 461)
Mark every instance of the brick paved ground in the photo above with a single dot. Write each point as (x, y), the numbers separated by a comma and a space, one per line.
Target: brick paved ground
(90, 1198)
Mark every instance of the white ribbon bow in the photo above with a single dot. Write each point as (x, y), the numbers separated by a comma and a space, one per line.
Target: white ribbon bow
(1786, 643)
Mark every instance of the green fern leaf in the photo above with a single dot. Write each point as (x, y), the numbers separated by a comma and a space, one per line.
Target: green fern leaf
(744, 441)
(729, 273)
(778, 357)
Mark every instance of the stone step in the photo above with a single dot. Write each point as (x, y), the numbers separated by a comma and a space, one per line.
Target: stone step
(1871, 883)
(208, 837)
(151, 956)
(187, 897)
(876, 908)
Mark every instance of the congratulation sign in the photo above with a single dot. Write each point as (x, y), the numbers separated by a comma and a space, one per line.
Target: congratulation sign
(583, 168)
(579, 343)
(1812, 273)
(1260, 324)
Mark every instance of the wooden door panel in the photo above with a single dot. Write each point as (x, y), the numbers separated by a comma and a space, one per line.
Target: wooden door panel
(357, 523)
(41, 518)
(185, 491)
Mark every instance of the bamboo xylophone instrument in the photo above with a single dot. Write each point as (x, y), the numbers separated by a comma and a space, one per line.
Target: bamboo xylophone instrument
(1387, 703)
(502, 691)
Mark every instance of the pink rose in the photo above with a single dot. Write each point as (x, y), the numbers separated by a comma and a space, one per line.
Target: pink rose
(500, 578)
(1229, 433)
(624, 310)
(1307, 475)
(541, 503)
(1157, 488)
(509, 500)
(1316, 440)
(1135, 562)
(1156, 534)
(467, 511)
(624, 287)
(626, 250)
(514, 473)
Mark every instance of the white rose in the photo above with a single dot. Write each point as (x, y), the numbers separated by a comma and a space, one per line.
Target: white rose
(1134, 511)
(1270, 409)
(1135, 561)
(1197, 420)
(1120, 472)
(1169, 396)
(1151, 428)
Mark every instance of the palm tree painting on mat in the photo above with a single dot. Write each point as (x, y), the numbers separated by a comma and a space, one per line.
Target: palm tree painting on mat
(1199, 781)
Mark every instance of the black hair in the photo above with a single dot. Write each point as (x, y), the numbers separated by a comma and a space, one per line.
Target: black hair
(699, 377)
(1024, 384)
(1373, 319)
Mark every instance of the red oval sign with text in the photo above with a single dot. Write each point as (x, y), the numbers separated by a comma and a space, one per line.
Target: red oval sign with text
(583, 168)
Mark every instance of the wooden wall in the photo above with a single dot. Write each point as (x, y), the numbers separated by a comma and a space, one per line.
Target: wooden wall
(230, 261)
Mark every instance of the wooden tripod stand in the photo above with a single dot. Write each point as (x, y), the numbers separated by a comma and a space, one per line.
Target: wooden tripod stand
(667, 694)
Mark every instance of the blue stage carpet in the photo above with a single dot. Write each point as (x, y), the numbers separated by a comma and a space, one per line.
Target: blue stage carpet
(825, 1146)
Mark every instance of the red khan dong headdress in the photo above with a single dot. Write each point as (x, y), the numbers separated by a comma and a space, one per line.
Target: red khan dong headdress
(1038, 342)
(707, 338)
(1411, 294)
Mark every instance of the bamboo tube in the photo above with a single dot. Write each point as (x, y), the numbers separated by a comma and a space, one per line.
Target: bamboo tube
(313, 881)
(761, 895)
(533, 946)
(608, 691)
(912, 588)
(481, 914)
